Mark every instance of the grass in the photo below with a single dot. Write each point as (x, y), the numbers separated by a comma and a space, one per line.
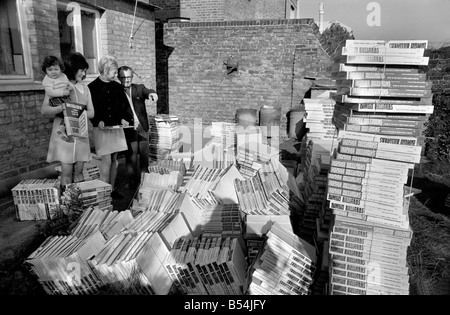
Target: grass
(429, 252)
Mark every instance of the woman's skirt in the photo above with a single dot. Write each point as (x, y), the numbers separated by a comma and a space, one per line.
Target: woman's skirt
(109, 141)
(75, 150)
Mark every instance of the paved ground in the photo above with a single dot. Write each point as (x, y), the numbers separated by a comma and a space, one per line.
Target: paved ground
(19, 238)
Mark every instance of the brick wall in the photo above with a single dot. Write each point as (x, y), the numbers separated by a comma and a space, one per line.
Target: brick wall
(42, 30)
(238, 10)
(220, 10)
(25, 132)
(203, 10)
(167, 4)
(273, 56)
(141, 56)
(273, 9)
(116, 25)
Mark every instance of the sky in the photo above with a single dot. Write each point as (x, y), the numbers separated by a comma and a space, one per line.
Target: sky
(386, 19)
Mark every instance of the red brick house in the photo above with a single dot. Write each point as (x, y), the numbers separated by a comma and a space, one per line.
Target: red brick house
(31, 30)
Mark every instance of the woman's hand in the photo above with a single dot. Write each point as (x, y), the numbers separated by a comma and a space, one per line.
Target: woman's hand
(65, 137)
(48, 110)
(101, 125)
(125, 123)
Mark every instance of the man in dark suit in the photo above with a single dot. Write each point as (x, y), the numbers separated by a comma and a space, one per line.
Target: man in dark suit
(137, 137)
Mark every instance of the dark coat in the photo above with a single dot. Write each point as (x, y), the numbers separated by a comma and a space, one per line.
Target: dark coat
(110, 103)
(139, 94)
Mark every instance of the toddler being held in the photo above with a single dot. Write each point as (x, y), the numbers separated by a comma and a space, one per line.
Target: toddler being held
(57, 86)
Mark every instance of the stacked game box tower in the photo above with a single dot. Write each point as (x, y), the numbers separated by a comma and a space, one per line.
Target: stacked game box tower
(383, 100)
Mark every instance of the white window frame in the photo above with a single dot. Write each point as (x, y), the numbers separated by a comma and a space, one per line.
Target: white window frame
(23, 25)
(78, 32)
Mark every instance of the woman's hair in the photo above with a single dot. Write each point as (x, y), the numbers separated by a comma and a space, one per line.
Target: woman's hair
(73, 63)
(52, 61)
(106, 63)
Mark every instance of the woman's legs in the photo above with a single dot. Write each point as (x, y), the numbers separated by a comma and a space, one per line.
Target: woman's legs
(113, 169)
(78, 172)
(105, 168)
(108, 172)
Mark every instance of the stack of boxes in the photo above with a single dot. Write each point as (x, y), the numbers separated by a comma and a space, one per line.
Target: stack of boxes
(164, 136)
(382, 103)
(37, 199)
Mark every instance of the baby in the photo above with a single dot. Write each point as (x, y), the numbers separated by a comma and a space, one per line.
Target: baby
(57, 86)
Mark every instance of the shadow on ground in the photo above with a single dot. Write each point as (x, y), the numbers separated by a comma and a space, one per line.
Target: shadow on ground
(435, 187)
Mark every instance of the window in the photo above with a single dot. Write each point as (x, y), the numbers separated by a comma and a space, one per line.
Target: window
(78, 32)
(15, 57)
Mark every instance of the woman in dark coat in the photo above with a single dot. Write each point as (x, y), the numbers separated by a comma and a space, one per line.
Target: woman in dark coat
(112, 114)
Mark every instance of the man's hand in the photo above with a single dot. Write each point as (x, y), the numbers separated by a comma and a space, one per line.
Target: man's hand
(153, 97)
(101, 125)
(125, 123)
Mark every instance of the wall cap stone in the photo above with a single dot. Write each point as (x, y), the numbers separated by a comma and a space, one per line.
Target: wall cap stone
(260, 22)
(21, 86)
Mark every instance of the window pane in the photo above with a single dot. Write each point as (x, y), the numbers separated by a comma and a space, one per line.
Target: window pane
(66, 30)
(89, 39)
(11, 50)
(77, 31)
